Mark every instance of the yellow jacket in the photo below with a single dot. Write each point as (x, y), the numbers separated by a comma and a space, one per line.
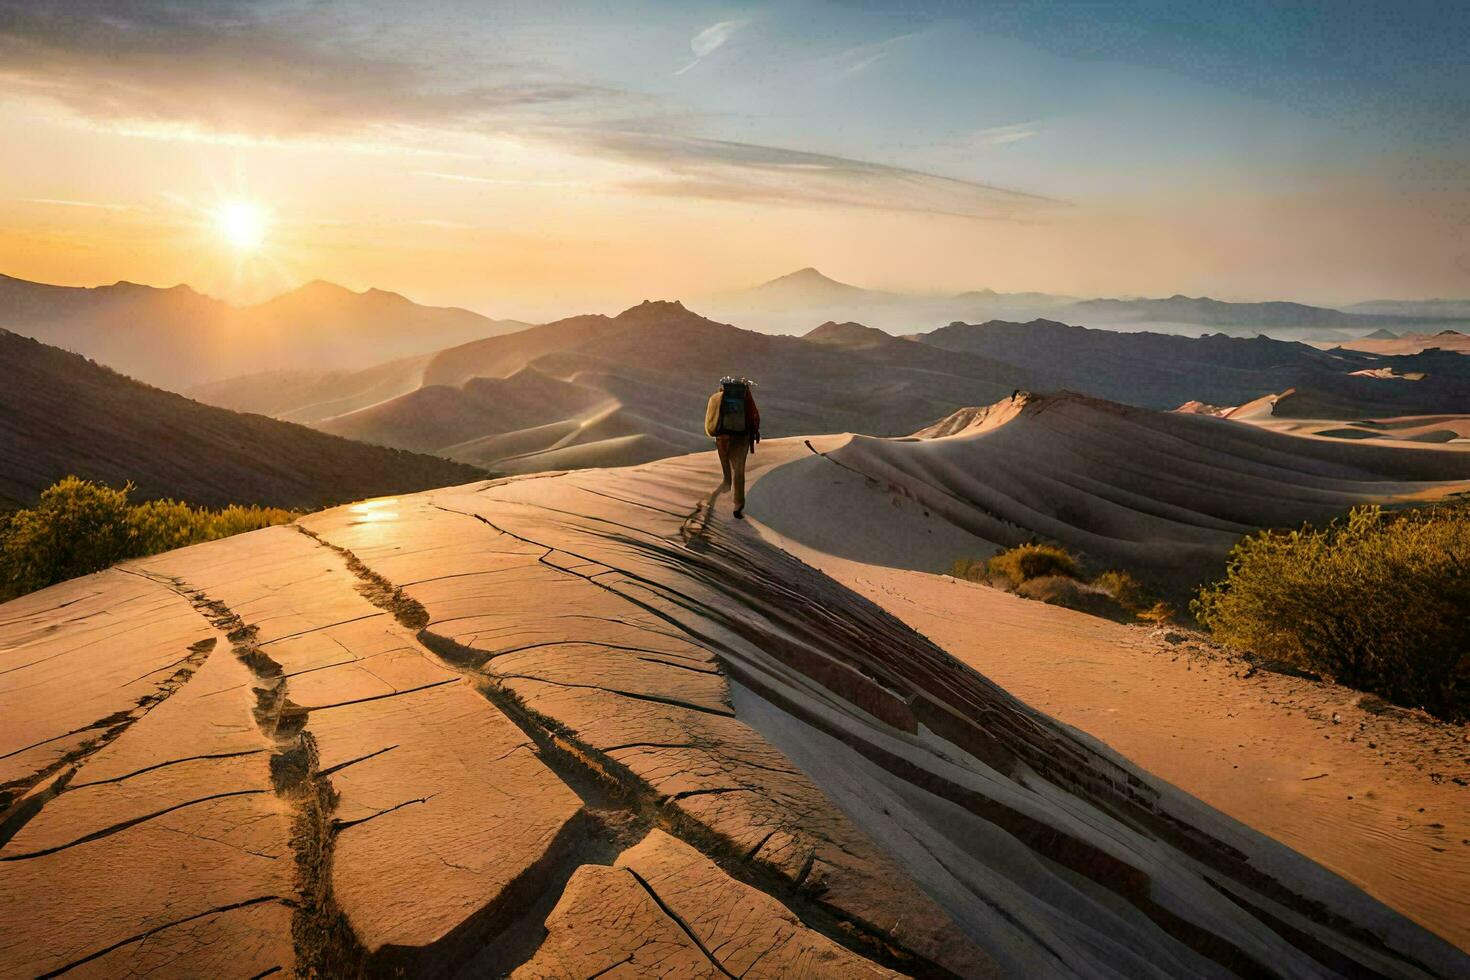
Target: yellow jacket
(712, 414)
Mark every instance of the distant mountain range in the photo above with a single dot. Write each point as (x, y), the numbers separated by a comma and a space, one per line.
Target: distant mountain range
(790, 303)
(1154, 370)
(1447, 309)
(61, 415)
(177, 337)
(598, 390)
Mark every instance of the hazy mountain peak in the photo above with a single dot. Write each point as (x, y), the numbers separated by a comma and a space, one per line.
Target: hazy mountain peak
(849, 334)
(658, 310)
(319, 289)
(807, 278)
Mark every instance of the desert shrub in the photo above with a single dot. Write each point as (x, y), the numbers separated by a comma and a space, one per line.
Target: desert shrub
(1377, 601)
(1159, 612)
(79, 527)
(1126, 590)
(1024, 562)
(1071, 593)
(970, 569)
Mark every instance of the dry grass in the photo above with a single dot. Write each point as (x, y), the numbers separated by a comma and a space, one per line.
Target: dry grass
(1050, 573)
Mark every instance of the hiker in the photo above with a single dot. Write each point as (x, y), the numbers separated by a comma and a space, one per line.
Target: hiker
(733, 421)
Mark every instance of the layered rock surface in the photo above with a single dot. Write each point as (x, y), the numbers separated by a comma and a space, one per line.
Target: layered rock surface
(584, 724)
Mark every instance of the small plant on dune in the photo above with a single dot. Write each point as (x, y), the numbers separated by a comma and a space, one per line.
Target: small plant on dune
(1160, 612)
(1377, 601)
(969, 569)
(78, 527)
(1051, 574)
(1134, 597)
(1028, 561)
(1072, 593)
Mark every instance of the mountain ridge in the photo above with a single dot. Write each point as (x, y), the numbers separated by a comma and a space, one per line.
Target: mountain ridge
(177, 337)
(62, 415)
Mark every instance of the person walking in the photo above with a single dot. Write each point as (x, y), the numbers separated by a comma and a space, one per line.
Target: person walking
(734, 423)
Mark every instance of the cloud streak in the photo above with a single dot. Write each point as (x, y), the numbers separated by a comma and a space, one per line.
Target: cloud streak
(864, 56)
(710, 40)
(299, 71)
(94, 205)
(1001, 135)
(232, 66)
(733, 171)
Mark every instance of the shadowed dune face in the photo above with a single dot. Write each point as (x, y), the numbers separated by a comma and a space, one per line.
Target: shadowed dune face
(1162, 494)
(566, 723)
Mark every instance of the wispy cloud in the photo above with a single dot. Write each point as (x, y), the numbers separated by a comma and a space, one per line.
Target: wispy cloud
(237, 67)
(498, 181)
(864, 56)
(294, 71)
(723, 170)
(97, 205)
(710, 40)
(1000, 135)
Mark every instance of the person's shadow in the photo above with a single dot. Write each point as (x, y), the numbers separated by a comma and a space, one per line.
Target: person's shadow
(695, 529)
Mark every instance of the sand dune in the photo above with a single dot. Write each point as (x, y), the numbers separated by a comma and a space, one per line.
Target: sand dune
(309, 397)
(437, 418)
(588, 722)
(1164, 495)
(1290, 412)
(1410, 343)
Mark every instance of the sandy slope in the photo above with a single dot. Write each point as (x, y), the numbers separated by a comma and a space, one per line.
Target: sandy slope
(1370, 794)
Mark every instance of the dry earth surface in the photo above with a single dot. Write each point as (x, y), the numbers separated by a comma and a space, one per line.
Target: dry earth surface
(586, 724)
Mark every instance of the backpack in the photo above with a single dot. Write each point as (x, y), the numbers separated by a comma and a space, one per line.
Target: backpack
(732, 408)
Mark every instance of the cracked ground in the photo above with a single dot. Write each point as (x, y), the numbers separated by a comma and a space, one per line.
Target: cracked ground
(550, 727)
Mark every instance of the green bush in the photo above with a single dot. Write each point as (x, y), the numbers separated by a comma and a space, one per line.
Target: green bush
(1378, 601)
(79, 527)
(1028, 561)
(76, 528)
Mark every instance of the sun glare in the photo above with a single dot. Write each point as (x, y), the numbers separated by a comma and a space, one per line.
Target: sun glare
(242, 224)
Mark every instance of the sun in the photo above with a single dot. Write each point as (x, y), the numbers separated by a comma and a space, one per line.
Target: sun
(242, 224)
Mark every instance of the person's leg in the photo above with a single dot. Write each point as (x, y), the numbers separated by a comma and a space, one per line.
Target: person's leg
(722, 447)
(739, 449)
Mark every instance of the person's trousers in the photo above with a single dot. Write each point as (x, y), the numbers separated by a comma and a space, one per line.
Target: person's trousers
(733, 450)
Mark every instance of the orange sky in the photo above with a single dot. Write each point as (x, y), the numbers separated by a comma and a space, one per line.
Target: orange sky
(531, 213)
